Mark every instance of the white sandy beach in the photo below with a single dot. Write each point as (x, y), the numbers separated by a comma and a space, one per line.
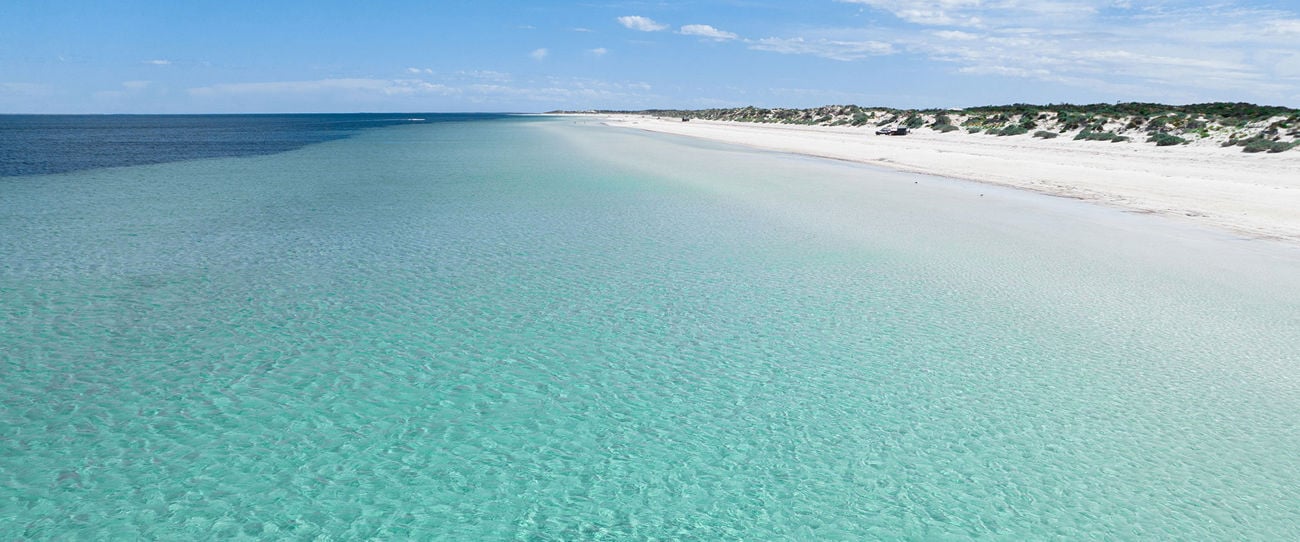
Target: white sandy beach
(1255, 195)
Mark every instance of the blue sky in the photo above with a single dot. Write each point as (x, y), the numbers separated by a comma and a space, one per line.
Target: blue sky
(487, 55)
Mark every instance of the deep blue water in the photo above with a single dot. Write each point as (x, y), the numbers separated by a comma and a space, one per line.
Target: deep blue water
(44, 144)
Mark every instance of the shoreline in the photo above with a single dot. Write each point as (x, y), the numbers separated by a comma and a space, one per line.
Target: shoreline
(1252, 195)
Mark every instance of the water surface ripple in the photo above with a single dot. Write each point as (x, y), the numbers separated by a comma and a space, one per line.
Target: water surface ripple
(541, 330)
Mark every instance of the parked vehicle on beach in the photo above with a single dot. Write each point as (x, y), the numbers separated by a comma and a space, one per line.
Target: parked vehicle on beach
(892, 130)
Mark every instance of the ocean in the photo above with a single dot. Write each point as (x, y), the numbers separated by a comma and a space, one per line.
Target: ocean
(488, 327)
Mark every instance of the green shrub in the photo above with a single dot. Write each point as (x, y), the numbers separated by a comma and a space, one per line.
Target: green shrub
(1257, 144)
(915, 121)
(1070, 121)
(1165, 140)
(945, 128)
(1260, 144)
(974, 129)
(1118, 139)
(942, 119)
(1278, 146)
(1014, 129)
(1088, 135)
(1158, 124)
(1046, 134)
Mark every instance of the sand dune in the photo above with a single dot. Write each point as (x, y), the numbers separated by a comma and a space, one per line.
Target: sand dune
(1254, 195)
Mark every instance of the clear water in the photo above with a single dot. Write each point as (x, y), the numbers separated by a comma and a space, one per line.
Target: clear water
(546, 330)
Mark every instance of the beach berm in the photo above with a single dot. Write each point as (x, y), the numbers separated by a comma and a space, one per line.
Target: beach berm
(1251, 194)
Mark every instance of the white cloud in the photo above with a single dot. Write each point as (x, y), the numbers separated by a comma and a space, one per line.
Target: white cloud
(1284, 27)
(706, 31)
(136, 85)
(485, 75)
(832, 49)
(599, 51)
(1147, 50)
(1006, 71)
(927, 12)
(158, 62)
(644, 24)
(543, 93)
(419, 71)
(580, 29)
(381, 87)
(955, 35)
(576, 92)
(539, 54)
(983, 13)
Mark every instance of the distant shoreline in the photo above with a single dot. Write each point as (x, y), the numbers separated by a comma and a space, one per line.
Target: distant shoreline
(1255, 195)
(1252, 128)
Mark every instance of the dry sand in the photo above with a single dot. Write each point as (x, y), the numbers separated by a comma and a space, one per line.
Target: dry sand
(1255, 195)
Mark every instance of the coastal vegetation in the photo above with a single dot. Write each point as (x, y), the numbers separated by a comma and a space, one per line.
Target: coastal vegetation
(1254, 128)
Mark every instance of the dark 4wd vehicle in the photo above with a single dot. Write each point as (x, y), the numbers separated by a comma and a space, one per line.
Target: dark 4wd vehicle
(892, 130)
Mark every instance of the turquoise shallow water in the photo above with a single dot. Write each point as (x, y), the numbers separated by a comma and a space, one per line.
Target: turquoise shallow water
(548, 330)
